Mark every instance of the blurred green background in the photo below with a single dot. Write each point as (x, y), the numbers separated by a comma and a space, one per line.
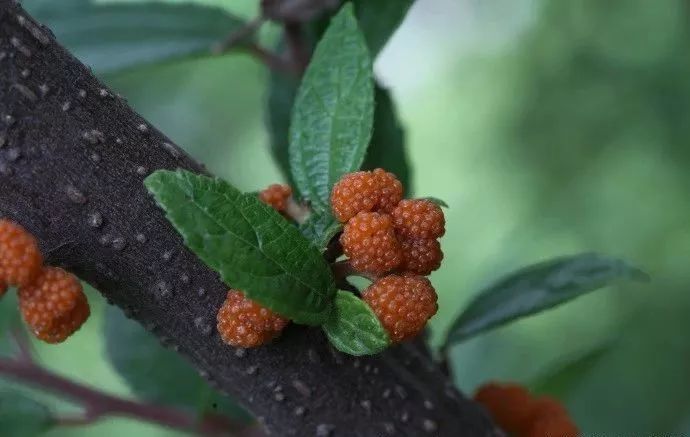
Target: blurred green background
(550, 128)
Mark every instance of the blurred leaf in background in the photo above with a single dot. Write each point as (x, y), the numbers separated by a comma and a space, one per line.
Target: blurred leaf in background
(160, 375)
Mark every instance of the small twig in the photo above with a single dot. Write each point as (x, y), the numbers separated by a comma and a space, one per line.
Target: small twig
(236, 37)
(268, 58)
(98, 405)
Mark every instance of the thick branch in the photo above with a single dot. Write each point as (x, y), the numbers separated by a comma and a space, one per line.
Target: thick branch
(71, 171)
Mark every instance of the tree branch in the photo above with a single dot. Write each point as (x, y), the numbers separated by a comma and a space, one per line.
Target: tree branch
(72, 151)
(98, 405)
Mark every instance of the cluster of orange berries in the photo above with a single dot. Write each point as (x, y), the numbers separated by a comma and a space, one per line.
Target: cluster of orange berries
(522, 415)
(51, 300)
(383, 234)
(386, 234)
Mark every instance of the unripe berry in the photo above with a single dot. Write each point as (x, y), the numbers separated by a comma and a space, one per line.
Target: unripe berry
(20, 257)
(553, 426)
(403, 304)
(419, 218)
(244, 323)
(365, 191)
(510, 405)
(276, 196)
(369, 240)
(54, 305)
(421, 256)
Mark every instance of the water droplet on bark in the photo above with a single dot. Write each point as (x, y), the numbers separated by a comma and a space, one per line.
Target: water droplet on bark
(74, 195)
(95, 220)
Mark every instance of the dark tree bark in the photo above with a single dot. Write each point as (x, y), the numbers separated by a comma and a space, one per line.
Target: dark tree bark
(72, 160)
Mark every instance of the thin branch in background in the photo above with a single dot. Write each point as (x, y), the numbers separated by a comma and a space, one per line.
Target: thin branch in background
(98, 405)
(296, 45)
(238, 37)
(272, 60)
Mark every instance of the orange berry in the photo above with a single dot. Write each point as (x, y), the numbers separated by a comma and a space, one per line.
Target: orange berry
(365, 191)
(553, 426)
(244, 323)
(421, 256)
(391, 190)
(276, 196)
(510, 405)
(20, 257)
(403, 304)
(54, 305)
(419, 218)
(369, 240)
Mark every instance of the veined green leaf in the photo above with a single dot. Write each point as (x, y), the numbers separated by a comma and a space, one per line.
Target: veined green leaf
(252, 247)
(353, 327)
(334, 110)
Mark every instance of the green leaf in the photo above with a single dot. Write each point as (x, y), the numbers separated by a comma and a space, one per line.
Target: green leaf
(252, 247)
(379, 19)
(539, 287)
(116, 36)
(387, 147)
(437, 201)
(334, 110)
(157, 374)
(353, 327)
(320, 229)
(568, 375)
(23, 416)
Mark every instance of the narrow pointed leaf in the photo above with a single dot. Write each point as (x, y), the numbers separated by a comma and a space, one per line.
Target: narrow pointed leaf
(334, 110)
(353, 327)
(537, 288)
(110, 37)
(249, 244)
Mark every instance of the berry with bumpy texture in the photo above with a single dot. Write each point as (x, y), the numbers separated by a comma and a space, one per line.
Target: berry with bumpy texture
(421, 256)
(510, 405)
(3, 288)
(276, 196)
(419, 218)
(54, 305)
(369, 240)
(354, 193)
(553, 426)
(403, 304)
(20, 257)
(391, 190)
(244, 323)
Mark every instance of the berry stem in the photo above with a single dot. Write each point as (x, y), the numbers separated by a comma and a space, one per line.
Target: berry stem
(98, 405)
(235, 38)
(296, 211)
(343, 269)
